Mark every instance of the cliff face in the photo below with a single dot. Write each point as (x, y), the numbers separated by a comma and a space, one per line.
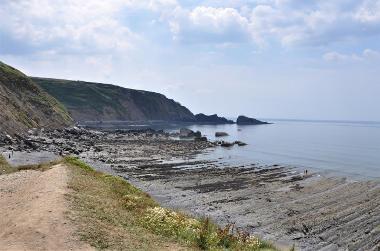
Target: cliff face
(87, 101)
(24, 105)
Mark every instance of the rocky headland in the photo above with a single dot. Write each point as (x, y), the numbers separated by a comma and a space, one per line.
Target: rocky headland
(211, 119)
(243, 120)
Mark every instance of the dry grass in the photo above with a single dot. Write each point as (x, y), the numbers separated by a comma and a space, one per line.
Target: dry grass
(5, 168)
(107, 211)
(112, 214)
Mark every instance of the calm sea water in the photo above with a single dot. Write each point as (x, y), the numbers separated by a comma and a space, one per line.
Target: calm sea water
(345, 148)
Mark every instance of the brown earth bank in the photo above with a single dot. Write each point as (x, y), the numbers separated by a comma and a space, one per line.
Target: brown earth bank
(33, 208)
(277, 203)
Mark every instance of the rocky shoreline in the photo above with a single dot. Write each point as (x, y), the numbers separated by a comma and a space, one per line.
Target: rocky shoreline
(275, 202)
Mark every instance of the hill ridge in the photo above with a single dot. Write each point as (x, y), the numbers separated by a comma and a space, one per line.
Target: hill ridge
(93, 101)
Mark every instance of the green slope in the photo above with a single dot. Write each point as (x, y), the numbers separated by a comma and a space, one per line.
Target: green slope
(88, 101)
(25, 105)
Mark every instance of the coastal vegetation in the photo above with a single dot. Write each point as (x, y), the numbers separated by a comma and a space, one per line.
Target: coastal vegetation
(25, 105)
(113, 214)
(88, 101)
(5, 168)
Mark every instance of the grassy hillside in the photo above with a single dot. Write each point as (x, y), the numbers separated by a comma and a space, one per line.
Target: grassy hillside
(25, 105)
(94, 101)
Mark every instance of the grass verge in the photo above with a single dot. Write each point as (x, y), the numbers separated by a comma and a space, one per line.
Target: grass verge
(112, 214)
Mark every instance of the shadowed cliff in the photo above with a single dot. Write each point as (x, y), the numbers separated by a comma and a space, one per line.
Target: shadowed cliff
(88, 101)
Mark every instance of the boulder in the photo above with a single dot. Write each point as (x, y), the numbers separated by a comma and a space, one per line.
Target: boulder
(243, 120)
(8, 139)
(226, 144)
(240, 143)
(33, 131)
(2, 139)
(221, 134)
(204, 139)
(185, 133)
(197, 134)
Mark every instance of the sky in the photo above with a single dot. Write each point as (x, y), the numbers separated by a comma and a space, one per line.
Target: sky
(293, 59)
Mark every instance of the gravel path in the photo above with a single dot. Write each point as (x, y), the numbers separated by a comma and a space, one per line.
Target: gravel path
(33, 206)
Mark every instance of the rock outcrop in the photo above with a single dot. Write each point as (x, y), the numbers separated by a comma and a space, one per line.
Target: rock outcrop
(211, 119)
(243, 120)
(25, 105)
(221, 134)
(187, 133)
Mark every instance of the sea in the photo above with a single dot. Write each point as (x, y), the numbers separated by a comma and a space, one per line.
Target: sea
(344, 148)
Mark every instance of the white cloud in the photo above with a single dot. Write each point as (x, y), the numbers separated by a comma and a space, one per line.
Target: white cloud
(291, 22)
(369, 12)
(97, 26)
(335, 56)
(367, 54)
(67, 25)
(218, 25)
(217, 19)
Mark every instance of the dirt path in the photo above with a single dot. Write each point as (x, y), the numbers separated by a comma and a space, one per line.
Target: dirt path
(32, 211)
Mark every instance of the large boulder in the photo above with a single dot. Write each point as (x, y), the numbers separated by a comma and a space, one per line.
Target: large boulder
(226, 144)
(243, 120)
(187, 133)
(204, 139)
(221, 134)
(240, 143)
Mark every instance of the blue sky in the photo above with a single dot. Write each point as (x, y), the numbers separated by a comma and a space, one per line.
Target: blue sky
(263, 58)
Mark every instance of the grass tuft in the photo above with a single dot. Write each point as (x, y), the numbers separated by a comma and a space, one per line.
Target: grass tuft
(76, 162)
(5, 168)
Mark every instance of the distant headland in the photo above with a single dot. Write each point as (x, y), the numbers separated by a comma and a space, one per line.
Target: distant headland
(56, 103)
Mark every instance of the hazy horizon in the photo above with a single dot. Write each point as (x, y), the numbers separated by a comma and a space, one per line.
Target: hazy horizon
(291, 59)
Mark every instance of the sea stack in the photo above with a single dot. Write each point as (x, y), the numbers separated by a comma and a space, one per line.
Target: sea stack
(211, 119)
(243, 120)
